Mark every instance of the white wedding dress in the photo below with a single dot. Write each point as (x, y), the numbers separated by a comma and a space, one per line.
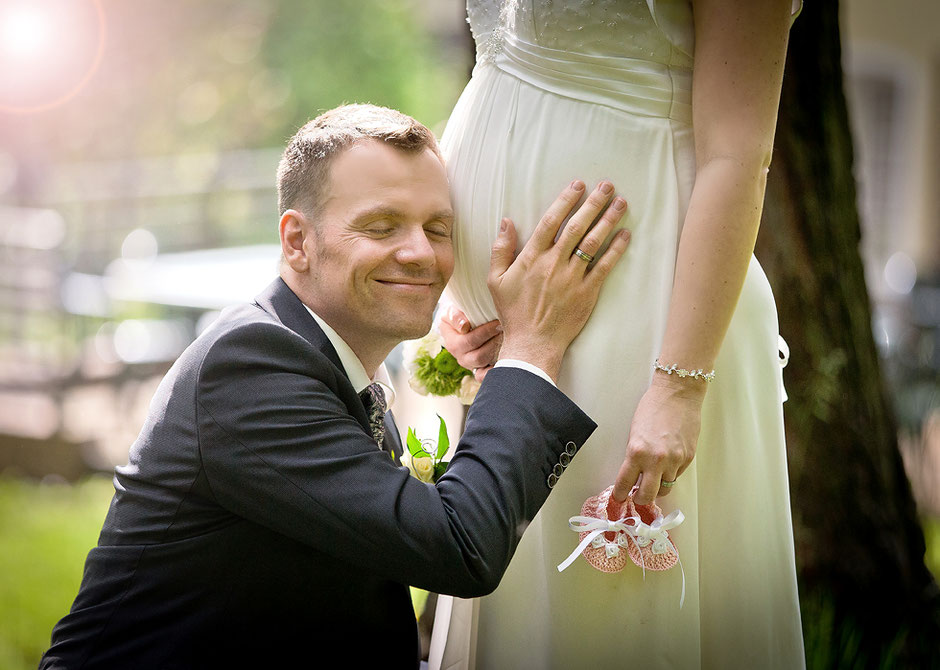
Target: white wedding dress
(600, 89)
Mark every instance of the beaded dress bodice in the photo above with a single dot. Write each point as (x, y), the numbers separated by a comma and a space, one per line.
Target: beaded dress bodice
(659, 32)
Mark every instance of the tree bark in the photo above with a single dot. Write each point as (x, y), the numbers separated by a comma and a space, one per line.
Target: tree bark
(866, 593)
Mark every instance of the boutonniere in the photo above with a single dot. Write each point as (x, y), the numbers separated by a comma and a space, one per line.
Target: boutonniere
(432, 369)
(424, 457)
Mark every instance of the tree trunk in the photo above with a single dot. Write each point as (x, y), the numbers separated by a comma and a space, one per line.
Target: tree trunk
(867, 596)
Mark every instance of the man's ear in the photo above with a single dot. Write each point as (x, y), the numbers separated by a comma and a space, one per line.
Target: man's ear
(294, 228)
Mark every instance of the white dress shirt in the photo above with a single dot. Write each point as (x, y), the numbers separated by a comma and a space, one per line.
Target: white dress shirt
(353, 366)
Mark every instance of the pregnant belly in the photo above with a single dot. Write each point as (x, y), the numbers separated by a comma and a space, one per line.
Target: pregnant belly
(511, 148)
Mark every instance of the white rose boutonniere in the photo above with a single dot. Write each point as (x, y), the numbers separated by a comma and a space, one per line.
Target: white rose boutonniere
(432, 369)
(422, 467)
(423, 457)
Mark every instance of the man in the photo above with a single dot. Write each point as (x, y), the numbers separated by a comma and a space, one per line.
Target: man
(258, 523)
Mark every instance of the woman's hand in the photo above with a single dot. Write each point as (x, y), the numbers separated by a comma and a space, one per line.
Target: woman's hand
(662, 438)
(474, 348)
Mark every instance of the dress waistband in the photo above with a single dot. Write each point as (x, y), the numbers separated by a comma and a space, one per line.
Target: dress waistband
(633, 85)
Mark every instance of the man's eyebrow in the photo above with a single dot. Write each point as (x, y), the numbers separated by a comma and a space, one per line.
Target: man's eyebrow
(445, 215)
(378, 212)
(386, 212)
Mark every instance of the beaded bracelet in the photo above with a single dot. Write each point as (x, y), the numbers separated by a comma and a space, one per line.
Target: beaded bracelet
(682, 372)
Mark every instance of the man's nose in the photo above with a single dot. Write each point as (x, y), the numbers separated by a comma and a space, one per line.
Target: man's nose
(416, 249)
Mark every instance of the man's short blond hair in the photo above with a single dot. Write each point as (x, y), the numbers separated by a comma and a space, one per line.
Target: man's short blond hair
(303, 174)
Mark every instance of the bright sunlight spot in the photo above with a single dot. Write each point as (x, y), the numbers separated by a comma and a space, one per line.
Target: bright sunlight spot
(24, 32)
(49, 49)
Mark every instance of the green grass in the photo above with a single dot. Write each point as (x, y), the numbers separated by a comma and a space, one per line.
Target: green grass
(45, 533)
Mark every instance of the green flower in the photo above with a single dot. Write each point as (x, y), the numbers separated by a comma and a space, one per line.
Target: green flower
(432, 368)
(445, 363)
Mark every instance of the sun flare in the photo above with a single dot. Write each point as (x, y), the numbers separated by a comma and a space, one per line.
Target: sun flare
(49, 49)
(24, 31)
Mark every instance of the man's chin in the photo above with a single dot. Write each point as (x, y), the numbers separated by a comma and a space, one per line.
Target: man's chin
(417, 331)
(417, 323)
(412, 330)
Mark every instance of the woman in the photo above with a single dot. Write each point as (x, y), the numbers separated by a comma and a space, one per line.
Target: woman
(561, 84)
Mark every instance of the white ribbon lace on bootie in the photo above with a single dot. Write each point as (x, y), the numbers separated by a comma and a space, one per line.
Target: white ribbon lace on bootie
(632, 527)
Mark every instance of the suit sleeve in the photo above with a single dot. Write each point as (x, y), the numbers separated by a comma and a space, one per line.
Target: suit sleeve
(280, 448)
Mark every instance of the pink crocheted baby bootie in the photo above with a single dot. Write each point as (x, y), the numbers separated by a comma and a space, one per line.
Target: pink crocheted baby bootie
(652, 549)
(604, 553)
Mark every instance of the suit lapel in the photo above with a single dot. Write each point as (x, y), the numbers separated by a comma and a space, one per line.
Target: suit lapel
(279, 300)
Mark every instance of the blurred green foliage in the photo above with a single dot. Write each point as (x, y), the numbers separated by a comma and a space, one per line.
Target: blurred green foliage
(370, 51)
(834, 641)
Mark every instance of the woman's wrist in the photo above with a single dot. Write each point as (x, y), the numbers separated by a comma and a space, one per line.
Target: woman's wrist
(682, 373)
(686, 388)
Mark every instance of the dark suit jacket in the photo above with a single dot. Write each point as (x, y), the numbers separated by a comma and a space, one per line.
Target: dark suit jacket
(256, 524)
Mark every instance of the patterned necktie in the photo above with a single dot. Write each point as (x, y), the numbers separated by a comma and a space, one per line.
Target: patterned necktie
(373, 398)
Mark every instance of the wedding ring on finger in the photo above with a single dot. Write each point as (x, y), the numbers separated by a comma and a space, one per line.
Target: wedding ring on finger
(667, 485)
(584, 256)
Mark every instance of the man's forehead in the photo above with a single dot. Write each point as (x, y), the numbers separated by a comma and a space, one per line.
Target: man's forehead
(372, 168)
(378, 154)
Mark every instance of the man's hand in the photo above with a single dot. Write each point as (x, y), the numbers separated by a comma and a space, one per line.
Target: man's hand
(545, 296)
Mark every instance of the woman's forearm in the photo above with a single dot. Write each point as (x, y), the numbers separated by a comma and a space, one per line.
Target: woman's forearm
(715, 249)
(740, 50)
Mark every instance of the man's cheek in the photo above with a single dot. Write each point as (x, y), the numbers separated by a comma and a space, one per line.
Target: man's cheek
(446, 264)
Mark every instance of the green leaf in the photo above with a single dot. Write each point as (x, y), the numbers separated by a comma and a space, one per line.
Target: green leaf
(413, 443)
(443, 442)
(439, 469)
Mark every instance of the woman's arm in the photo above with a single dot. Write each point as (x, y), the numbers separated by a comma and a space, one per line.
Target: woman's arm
(740, 48)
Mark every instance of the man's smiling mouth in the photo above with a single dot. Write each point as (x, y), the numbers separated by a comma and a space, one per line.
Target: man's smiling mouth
(408, 286)
(404, 281)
